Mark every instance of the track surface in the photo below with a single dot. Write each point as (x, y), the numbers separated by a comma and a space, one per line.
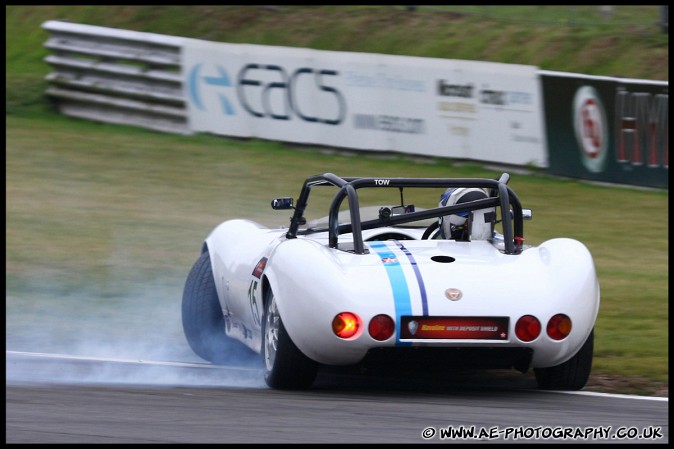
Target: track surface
(199, 403)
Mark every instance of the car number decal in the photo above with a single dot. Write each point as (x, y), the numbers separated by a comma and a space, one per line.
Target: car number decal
(396, 276)
(255, 305)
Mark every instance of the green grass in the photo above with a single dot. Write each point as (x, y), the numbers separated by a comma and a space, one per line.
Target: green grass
(96, 212)
(110, 208)
(562, 38)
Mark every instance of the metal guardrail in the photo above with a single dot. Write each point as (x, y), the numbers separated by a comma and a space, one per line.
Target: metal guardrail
(117, 76)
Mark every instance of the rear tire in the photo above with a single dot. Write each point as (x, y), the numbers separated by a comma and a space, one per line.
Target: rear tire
(570, 375)
(286, 367)
(203, 321)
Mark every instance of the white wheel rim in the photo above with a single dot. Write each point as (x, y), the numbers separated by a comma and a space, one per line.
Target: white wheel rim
(271, 335)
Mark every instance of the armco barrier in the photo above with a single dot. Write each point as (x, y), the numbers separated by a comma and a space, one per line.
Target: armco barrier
(117, 76)
(469, 110)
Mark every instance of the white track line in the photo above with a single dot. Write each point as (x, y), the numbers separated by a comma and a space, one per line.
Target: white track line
(595, 393)
(206, 365)
(141, 362)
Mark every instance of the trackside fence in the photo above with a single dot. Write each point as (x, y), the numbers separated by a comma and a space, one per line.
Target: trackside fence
(596, 128)
(117, 76)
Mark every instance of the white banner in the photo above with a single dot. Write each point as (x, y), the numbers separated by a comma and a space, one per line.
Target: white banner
(427, 106)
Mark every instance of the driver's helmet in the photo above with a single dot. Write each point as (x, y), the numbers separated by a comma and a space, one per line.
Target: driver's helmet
(475, 225)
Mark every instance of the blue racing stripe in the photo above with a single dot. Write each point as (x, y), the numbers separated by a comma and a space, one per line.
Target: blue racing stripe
(420, 280)
(401, 293)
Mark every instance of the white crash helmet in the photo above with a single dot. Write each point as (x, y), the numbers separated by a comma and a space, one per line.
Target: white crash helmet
(474, 225)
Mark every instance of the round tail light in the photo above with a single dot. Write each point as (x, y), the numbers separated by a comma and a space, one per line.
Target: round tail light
(345, 324)
(381, 327)
(528, 328)
(559, 327)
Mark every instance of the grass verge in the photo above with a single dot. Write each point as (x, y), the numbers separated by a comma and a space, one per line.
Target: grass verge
(107, 209)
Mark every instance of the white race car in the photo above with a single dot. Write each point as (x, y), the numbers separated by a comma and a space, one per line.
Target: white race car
(451, 284)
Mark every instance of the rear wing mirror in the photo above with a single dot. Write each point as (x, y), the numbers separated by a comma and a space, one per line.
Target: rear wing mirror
(282, 203)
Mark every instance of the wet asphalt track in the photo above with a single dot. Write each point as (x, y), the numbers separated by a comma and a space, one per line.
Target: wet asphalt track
(47, 402)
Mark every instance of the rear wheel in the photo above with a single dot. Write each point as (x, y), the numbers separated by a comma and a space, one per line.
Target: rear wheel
(286, 367)
(570, 375)
(203, 321)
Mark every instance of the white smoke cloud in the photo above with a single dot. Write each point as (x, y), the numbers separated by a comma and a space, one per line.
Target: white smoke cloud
(135, 337)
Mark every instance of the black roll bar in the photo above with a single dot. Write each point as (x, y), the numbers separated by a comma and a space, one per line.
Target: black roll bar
(513, 227)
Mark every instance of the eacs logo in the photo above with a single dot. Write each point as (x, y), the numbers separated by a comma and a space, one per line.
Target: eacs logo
(268, 91)
(257, 83)
(220, 79)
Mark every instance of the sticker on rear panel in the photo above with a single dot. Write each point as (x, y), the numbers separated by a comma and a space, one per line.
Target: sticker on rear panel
(454, 328)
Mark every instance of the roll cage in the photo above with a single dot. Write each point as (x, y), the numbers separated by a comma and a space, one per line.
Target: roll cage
(500, 196)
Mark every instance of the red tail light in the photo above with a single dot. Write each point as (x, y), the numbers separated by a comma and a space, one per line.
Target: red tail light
(345, 325)
(559, 327)
(528, 328)
(381, 327)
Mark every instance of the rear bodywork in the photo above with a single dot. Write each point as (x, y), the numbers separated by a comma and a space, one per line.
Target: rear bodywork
(459, 300)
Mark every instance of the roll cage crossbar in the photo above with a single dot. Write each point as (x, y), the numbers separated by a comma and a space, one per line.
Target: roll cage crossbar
(501, 196)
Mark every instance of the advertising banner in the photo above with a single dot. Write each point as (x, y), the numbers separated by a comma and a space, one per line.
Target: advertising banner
(427, 106)
(607, 129)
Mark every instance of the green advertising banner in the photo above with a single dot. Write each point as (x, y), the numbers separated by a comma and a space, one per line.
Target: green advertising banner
(607, 129)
